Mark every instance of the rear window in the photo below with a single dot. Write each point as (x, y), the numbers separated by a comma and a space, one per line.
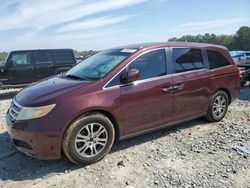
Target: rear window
(187, 59)
(216, 59)
(64, 56)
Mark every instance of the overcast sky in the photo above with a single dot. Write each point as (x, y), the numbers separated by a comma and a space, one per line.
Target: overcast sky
(100, 24)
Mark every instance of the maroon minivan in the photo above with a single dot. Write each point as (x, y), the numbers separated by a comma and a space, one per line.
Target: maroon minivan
(119, 93)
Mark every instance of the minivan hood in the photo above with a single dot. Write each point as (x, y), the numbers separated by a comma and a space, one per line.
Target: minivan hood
(47, 89)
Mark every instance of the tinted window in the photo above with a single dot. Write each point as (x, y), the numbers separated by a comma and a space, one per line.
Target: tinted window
(216, 59)
(116, 81)
(43, 57)
(20, 59)
(151, 64)
(63, 56)
(187, 59)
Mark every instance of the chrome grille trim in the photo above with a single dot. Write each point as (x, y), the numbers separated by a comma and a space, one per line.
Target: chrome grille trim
(14, 110)
(16, 104)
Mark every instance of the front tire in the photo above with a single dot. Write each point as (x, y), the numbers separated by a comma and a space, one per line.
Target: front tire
(88, 139)
(218, 106)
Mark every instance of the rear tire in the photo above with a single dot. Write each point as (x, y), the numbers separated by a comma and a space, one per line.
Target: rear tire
(88, 139)
(218, 106)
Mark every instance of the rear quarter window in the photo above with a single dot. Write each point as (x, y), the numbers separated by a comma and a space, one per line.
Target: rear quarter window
(216, 59)
(64, 56)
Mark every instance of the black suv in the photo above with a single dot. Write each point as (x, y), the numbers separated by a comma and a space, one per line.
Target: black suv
(24, 67)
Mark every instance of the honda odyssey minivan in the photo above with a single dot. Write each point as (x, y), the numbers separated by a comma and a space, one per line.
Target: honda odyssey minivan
(119, 93)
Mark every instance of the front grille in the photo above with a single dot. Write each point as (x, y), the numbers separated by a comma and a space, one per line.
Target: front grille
(14, 110)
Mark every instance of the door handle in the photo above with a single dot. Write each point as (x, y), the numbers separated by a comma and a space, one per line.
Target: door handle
(178, 87)
(168, 89)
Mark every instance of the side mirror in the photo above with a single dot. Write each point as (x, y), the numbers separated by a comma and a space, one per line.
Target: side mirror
(132, 75)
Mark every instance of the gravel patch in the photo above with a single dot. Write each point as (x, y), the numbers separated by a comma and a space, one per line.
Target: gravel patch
(192, 154)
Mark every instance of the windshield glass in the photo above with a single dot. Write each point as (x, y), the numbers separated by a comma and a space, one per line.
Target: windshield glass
(98, 65)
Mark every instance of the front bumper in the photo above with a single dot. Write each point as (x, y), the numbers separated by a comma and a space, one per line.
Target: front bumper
(28, 137)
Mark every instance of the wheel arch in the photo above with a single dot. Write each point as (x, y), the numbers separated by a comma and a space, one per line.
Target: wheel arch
(227, 92)
(106, 113)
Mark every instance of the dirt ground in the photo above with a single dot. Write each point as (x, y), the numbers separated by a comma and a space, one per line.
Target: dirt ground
(193, 154)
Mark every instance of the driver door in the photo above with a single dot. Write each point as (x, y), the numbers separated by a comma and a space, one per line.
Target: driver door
(147, 103)
(21, 70)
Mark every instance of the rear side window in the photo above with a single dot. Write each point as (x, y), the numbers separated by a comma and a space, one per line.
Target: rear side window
(150, 65)
(43, 57)
(63, 56)
(187, 59)
(216, 59)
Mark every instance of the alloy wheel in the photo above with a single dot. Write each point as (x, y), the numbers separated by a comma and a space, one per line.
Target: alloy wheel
(219, 106)
(91, 140)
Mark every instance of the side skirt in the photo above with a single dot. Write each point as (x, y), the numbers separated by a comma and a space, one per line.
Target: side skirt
(160, 127)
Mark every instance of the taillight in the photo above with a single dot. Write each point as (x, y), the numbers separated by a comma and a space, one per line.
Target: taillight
(239, 59)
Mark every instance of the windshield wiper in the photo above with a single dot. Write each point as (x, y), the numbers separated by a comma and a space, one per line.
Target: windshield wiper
(76, 77)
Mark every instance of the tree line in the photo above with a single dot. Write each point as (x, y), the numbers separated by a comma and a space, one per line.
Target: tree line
(3, 56)
(238, 41)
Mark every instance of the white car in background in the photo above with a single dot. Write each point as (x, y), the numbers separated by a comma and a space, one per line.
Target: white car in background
(241, 58)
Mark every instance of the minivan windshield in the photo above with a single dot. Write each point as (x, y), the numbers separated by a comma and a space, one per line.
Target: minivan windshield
(98, 65)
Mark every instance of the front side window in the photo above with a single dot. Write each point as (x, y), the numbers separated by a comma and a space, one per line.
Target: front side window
(20, 59)
(43, 57)
(150, 65)
(216, 59)
(98, 65)
(187, 59)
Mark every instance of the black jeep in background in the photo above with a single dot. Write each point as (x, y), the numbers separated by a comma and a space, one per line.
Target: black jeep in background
(24, 67)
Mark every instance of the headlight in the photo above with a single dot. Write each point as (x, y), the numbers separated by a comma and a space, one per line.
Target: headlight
(34, 112)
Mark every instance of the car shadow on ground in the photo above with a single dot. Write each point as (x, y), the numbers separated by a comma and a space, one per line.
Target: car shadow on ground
(7, 95)
(16, 166)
